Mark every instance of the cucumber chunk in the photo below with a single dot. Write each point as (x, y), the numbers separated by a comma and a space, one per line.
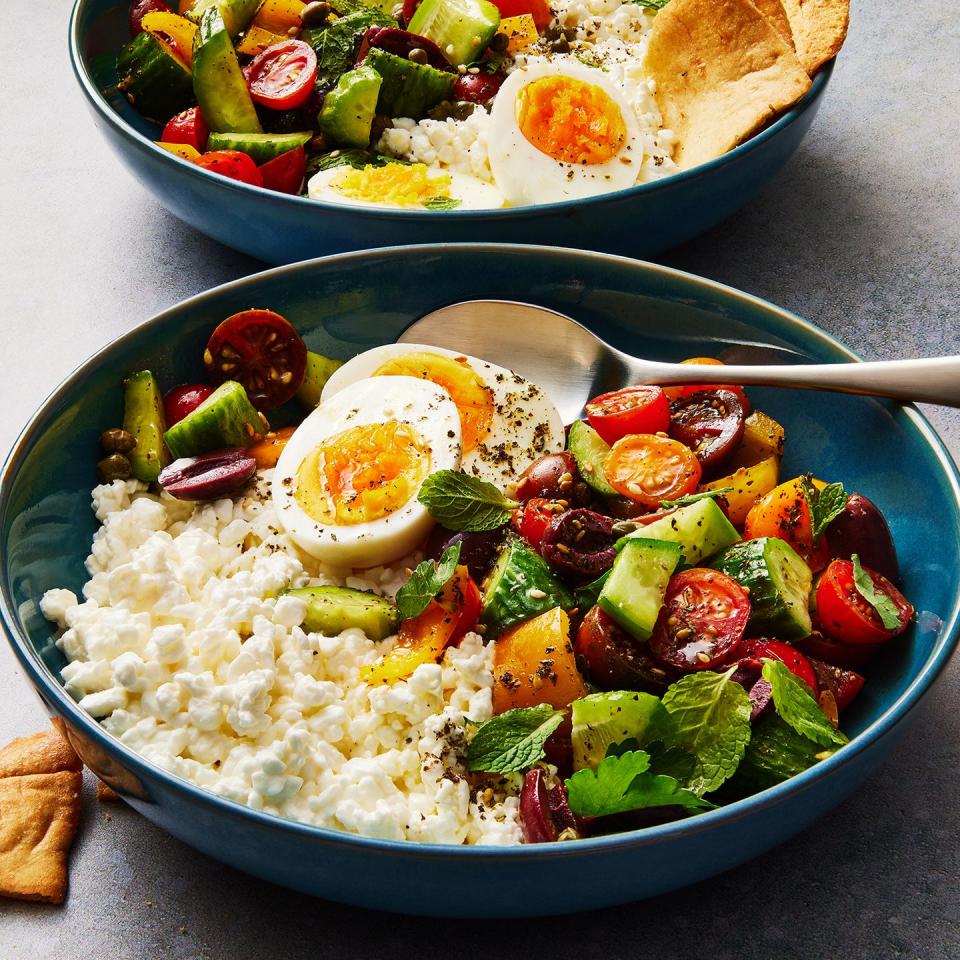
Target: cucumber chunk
(143, 417)
(701, 529)
(462, 29)
(776, 752)
(153, 79)
(779, 582)
(260, 147)
(602, 719)
(226, 418)
(319, 370)
(634, 592)
(520, 586)
(331, 610)
(409, 89)
(349, 108)
(236, 14)
(590, 450)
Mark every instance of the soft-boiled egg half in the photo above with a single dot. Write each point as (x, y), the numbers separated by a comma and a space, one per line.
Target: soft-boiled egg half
(345, 487)
(410, 186)
(506, 422)
(559, 131)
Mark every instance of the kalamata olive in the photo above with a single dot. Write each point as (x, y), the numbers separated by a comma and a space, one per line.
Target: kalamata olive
(478, 551)
(477, 87)
(499, 43)
(545, 813)
(710, 423)
(861, 529)
(761, 696)
(552, 476)
(401, 43)
(139, 9)
(580, 543)
(114, 467)
(208, 476)
(843, 684)
(623, 508)
(116, 440)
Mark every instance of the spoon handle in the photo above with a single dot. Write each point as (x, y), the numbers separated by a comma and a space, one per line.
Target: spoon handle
(928, 380)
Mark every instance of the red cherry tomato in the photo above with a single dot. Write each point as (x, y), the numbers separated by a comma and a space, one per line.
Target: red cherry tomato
(843, 684)
(842, 654)
(461, 599)
(476, 87)
(533, 519)
(232, 164)
(846, 616)
(538, 9)
(281, 77)
(789, 656)
(285, 173)
(187, 127)
(180, 401)
(409, 9)
(640, 409)
(261, 350)
(139, 9)
(703, 618)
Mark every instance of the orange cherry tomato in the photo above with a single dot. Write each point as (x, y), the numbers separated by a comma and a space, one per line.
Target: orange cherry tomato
(784, 513)
(647, 469)
(267, 451)
(684, 390)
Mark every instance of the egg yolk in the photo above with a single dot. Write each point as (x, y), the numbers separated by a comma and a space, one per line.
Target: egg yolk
(472, 397)
(570, 121)
(362, 474)
(399, 184)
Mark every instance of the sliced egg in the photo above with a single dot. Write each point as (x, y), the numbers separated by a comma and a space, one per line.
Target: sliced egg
(345, 487)
(410, 186)
(559, 131)
(506, 422)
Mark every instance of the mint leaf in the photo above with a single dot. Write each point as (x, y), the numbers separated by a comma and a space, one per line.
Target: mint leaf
(624, 783)
(825, 505)
(461, 502)
(694, 497)
(513, 741)
(671, 761)
(441, 203)
(426, 582)
(586, 596)
(886, 609)
(795, 705)
(712, 714)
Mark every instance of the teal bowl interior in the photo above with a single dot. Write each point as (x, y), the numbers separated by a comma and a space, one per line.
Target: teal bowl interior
(351, 302)
(638, 222)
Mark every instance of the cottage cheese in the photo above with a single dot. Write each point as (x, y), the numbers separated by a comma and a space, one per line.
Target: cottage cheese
(186, 653)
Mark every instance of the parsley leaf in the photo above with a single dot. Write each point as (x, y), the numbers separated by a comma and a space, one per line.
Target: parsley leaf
(441, 203)
(461, 502)
(512, 741)
(795, 705)
(624, 782)
(712, 713)
(694, 497)
(426, 582)
(825, 505)
(886, 609)
(652, 4)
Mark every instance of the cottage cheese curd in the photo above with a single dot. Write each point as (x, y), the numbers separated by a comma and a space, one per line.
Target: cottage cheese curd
(183, 648)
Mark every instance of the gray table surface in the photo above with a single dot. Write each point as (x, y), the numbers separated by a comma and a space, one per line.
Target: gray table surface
(860, 233)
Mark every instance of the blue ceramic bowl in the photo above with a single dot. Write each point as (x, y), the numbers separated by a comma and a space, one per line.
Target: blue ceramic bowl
(638, 222)
(348, 303)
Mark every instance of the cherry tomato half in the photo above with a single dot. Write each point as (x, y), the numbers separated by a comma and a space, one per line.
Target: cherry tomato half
(853, 655)
(710, 423)
(552, 475)
(538, 9)
(533, 519)
(285, 173)
(639, 409)
(785, 513)
(187, 127)
(847, 616)
(703, 618)
(262, 351)
(476, 87)
(232, 164)
(788, 655)
(281, 77)
(648, 469)
(267, 451)
(180, 401)
(676, 393)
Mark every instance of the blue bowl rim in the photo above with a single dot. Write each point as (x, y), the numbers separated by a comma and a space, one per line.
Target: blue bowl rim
(55, 693)
(146, 146)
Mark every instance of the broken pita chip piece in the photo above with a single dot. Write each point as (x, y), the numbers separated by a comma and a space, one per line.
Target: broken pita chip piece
(819, 28)
(106, 793)
(722, 72)
(45, 752)
(774, 11)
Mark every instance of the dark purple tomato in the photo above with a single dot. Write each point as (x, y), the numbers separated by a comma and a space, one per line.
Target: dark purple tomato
(478, 551)
(580, 543)
(862, 529)
(552, 476)
(843, 684)
(710, 423)
(209, 476)
(476, 87)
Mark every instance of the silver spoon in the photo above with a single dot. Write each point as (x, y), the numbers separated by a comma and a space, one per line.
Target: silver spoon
(572, 364)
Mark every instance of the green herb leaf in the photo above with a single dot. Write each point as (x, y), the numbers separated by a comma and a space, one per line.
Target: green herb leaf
(441, 203)
(336, 44)
(461, 502)
(694, 497)
(513, 741)
(712, 713)
(825, 505)
(795, 704)
(586, 596)
(885, 607)
(623, 783)
(426, 582)
(652, 4)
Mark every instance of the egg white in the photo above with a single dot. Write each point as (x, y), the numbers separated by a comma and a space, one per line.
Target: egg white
(525, 422)
(526, 175)
(423, 405)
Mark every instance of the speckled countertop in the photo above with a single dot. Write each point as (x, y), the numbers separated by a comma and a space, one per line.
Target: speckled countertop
(860, 233)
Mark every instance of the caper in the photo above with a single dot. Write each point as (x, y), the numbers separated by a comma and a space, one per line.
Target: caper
(116, 440)
(499, 43)
(114, 467)
(417, 55)
(315, 14)
(463, 110)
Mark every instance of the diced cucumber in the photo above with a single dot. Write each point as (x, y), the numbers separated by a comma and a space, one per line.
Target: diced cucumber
(226, 418)
(153, 79)
(349, 108)
(779, 582)
(331, 610)
(602, 719)
(143, 417)
(701, 530)
(409, 89)
(260, 147)
(218, 82)
(236, 14)
(462, 29)
(776, 752)
(521, 585)
(319, 370)
(635, 589)
(590, 450)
